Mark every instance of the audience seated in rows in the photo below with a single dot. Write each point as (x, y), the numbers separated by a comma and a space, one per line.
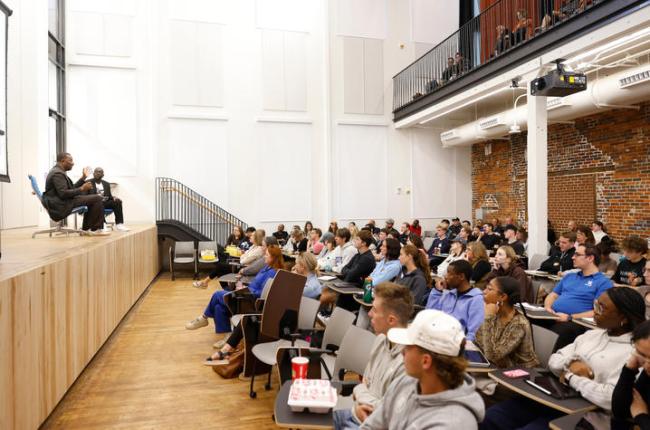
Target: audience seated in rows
(236, 237)
(632, 394)
(281, 235)
(217, 309)
(440, 245)
(456, 252)
(590, 364)
(435, 392)
(455, 296)
(389, 267)
(489, 237)
(574, 295)
(507, 263)
(630, 268)
(415, 274)
(392, 307)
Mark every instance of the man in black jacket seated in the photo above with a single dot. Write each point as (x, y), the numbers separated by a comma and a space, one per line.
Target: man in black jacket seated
(358, 269)
(103, 188)
(561, 259)
(61, 195)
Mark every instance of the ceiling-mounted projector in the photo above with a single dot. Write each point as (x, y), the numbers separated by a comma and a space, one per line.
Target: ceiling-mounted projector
(559, 82)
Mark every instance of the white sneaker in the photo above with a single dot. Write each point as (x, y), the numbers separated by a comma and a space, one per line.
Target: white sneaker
(197, 322)
(98, 233)
(121, 227)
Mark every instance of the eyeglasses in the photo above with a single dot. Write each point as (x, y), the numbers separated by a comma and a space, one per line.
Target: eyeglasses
(578, 254)
(598, 308)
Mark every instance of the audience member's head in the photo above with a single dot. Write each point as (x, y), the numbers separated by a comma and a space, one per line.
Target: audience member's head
(488, 227)
(391, 307)
(64, 159)
(390, 249)
(522, 235)
(441, 230)
(619, 310)
(606, 246)
(273, 257)
(371, 222)
(306, 264)
(333, 228)
(416, 240)
(586, 257)
(351, 224)
(455, 221)
(270, 241)
(354, 231)
(510, 232)
(250, 231)
(445, 222)
(404, 228)
(258, 237)
(410, 256)
(330, 243)
(634, 248)
(506, 257)
(584, 235)
(308, 227)
(280, 227)
(572, 226)
(238, 232)
(363, 240)
(389, 223)
(476, 252)
(433, 348)
(342, 236)
(415, 223)
(457, 246)
(315, 234)
(641, 340)
(465, 233)
(450, 61)
(502, 291)
(383, 234)
(467, 224)
(567, 240)
(459, 273)
(509, 220)
(597, 226)
(495, 222)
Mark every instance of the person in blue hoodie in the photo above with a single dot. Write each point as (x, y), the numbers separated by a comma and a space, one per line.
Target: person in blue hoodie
(455, 296)
(217, 308)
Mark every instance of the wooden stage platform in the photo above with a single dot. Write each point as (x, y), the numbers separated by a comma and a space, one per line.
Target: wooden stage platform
(60, 299)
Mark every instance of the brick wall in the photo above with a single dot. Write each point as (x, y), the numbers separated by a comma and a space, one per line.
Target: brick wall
(599, 168)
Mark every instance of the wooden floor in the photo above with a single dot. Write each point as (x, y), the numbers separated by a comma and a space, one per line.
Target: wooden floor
(149, 374)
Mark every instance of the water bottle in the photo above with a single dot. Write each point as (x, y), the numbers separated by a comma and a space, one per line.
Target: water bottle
(367, 290)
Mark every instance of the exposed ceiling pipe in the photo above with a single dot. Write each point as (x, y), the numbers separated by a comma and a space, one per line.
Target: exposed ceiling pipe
(609, 95)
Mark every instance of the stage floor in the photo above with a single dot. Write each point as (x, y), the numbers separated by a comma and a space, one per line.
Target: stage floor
(21, 253)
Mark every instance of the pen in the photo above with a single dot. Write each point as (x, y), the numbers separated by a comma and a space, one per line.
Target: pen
(534, 385)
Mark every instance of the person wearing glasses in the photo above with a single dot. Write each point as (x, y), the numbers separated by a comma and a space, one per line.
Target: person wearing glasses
(574, 295)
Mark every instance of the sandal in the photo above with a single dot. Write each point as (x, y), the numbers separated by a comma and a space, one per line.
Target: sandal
(221, 359)
(199, 284)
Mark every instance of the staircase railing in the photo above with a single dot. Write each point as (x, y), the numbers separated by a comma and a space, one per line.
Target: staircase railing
(177, 202)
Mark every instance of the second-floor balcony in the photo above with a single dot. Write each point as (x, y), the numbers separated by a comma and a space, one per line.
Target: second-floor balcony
(504, 35)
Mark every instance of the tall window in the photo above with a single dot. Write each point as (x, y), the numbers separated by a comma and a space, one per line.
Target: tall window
(56, 51)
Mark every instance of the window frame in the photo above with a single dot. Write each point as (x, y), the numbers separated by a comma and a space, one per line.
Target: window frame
(59, 114)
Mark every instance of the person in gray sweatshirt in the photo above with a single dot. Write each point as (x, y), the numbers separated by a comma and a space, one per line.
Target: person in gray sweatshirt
(427, 397)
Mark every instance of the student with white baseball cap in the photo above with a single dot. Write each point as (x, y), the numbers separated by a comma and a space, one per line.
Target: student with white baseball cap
(435, 392)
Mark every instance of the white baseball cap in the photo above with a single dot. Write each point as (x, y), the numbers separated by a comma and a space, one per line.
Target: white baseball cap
(432, 330)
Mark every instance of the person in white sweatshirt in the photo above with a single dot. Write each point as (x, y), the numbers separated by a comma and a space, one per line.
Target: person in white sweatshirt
(591, 364)
(344, 251)
(391, 307)
(435, 392)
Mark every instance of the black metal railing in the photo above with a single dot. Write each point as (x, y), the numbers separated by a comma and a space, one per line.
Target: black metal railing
(177, 202)
(504, 26)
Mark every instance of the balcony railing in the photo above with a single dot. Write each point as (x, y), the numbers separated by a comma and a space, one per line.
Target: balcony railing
(504, 26)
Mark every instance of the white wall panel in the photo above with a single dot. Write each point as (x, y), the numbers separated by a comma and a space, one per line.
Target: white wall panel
(295, 71)
(362, 18)
(353, 75)
(422, 48)
(373, 59)
(433, 20)
(102, 124)
(196, 64)
(123, 7)
(118, 37)
(88, 27)
(359, 172)
(198, 157)
(102, 34)
(283, 168)
(273, 86)
(217, 11)
(292, 15)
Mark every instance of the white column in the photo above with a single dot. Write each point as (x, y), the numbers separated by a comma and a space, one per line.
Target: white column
(536, 156)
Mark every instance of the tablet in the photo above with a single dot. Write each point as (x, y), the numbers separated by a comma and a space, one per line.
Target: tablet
(476, 359)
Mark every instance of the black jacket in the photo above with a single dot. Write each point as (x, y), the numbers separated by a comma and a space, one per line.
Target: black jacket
(558, 262)
(59, 192)
(622, 396)
(359, 268)
(107, 190)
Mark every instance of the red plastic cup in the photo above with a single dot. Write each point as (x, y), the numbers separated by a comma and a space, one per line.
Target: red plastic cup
(299, 367)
